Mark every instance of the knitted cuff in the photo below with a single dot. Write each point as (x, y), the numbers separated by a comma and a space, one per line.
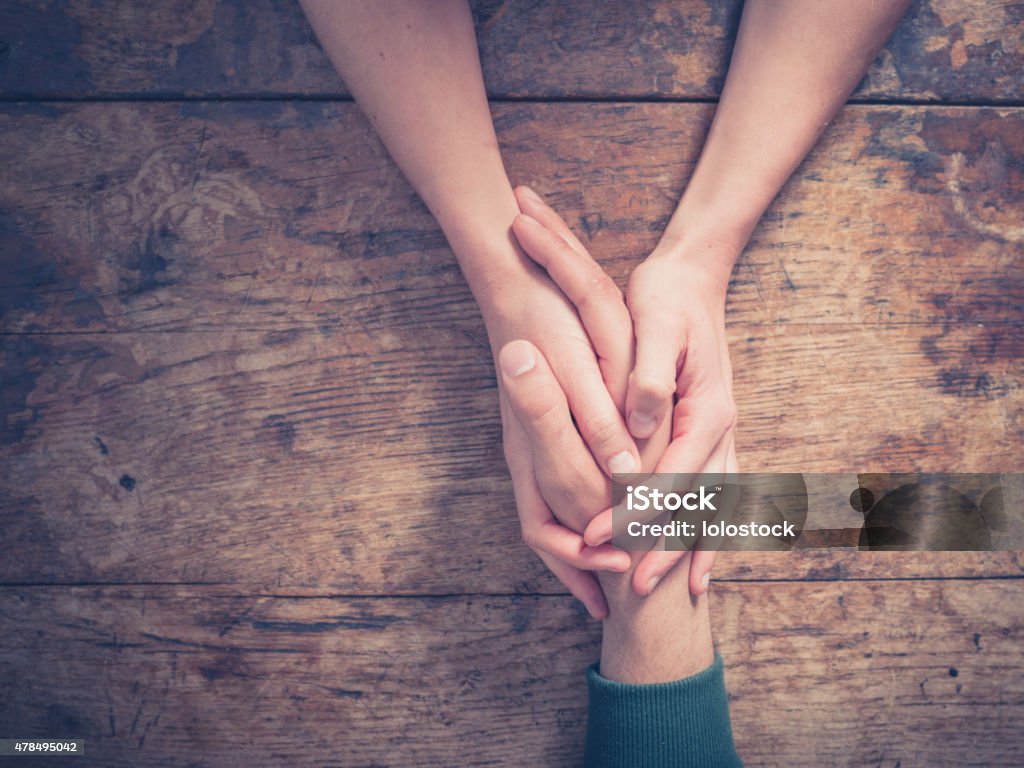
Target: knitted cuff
(680, 724)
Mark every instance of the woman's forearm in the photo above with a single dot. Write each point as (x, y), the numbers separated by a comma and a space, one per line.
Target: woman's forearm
(414, 69)
(793, 67)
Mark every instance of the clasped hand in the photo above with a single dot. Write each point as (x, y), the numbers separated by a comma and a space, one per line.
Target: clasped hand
(592, 382)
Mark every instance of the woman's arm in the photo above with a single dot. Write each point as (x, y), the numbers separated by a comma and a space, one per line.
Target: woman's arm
(413, 68)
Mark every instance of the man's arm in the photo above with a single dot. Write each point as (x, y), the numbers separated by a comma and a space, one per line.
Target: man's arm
(793, 67)
(657, 696)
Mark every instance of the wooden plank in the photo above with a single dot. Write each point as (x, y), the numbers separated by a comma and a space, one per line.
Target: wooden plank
(275, 215)
(959, 50)
(873, 673)
(348, 460)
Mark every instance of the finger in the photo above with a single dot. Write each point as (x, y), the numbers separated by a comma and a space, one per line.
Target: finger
(571, 481)
(681, 457)
(584, 586)
(704, 560)
(732, 466)
(599, 530)
(552, 538)
(654, 565)
(595, 295)
(542, 408)
(615, 521)
(652, 384)
(543, 533)
(700, 570)
(533, 205)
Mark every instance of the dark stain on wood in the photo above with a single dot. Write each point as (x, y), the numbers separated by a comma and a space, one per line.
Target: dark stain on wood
(149, 262)
(282, 430)
(988, 364)
(344, 693)
(968, 58)
(23, 359)
(26, 269)
(64, 722)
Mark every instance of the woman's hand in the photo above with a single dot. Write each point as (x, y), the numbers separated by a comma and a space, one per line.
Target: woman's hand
(572, 344)
(682, 375)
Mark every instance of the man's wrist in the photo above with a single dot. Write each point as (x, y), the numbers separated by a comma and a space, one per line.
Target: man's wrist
(715, 247)
(712, 229)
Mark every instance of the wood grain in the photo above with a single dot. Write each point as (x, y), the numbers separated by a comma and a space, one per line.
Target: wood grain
(273, 216)
(945, 49)
(926, 673)
(350, 460)
(252, 498)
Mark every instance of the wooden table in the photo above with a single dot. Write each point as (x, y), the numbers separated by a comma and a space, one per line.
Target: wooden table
(253, 502)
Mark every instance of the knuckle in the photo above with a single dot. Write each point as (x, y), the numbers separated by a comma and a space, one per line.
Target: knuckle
(541, 405)
(638, 293)
(557, 483)
(600, 429)
(652, 388)
(601, 289)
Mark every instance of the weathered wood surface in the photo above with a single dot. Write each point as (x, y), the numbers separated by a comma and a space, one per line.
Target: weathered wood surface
(921, 673)
(334, 459)
(945, 49)
(233, 344)
(222, 310)
(279, 215)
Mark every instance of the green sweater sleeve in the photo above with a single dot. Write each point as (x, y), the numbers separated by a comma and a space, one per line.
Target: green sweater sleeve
(680, 724)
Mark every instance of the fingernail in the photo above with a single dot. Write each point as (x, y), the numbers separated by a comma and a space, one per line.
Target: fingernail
(602, 539)
(531, 194)
(517, 360)
(652, 583)
(705, 580)
(641, 424)
(621, 463)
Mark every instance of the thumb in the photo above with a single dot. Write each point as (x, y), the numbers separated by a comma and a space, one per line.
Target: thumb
(652, 384)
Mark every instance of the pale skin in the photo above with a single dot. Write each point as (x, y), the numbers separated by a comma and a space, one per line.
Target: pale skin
(648, 379)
